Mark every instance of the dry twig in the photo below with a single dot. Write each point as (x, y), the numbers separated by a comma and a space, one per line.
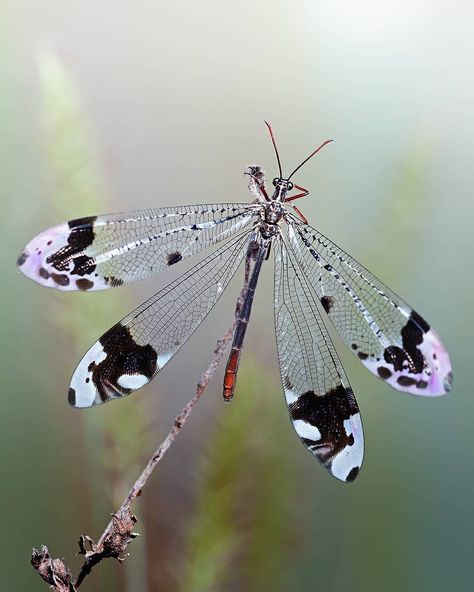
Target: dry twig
(118, 534)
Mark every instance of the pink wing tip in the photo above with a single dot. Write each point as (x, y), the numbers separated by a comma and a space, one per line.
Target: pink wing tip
(57, 258)
(434, 380)
(442, 373)
(33, 259)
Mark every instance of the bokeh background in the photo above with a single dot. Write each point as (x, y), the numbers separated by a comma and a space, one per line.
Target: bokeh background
(111, 105)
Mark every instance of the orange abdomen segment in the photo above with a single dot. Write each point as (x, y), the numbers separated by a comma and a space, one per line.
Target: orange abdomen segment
(230, 376)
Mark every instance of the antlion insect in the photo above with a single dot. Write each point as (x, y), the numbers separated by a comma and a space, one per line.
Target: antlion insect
(313, 278)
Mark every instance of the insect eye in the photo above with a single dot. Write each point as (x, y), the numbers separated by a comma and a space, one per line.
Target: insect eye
(275, 181)
(290, 186)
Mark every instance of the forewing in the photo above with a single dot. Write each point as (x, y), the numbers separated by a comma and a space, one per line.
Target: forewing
(390, 339)
(320, 401)
(102, 252)
(130, 354)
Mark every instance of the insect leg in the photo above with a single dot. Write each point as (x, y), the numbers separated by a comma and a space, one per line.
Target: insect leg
(303, 193)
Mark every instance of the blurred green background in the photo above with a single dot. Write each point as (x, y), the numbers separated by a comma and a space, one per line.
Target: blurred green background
(117, 105)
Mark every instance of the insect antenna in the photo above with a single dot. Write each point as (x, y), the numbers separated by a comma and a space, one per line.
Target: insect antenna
(275, 147)
(310, 156)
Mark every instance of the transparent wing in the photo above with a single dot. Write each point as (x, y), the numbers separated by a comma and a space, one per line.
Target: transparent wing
(320, 401)
(101, 252)
(391, 339)
(129, 354)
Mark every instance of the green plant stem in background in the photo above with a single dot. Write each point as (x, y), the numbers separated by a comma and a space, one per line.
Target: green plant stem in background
(406, 203)
(113, 441)
(240, 530)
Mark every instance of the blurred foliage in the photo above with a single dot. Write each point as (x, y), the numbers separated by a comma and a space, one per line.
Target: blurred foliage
(405, 524)
(397, 221)
(115, 441)
(241, 500)
(244, 529)
(72, 159)
(78, 190)
(238, 533)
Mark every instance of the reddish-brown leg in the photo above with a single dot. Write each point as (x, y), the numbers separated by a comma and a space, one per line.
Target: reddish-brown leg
(303, 193)
(302, 217)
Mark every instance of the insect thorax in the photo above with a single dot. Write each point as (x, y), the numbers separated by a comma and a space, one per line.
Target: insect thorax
(274, 211)
(272, 215)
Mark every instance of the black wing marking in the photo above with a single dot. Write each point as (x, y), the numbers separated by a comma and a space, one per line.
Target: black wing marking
(130, 354)
(391, 339)
(320, 401)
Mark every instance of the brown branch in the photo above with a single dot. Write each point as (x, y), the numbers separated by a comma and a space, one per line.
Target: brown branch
(118, 533)
(53, 571)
